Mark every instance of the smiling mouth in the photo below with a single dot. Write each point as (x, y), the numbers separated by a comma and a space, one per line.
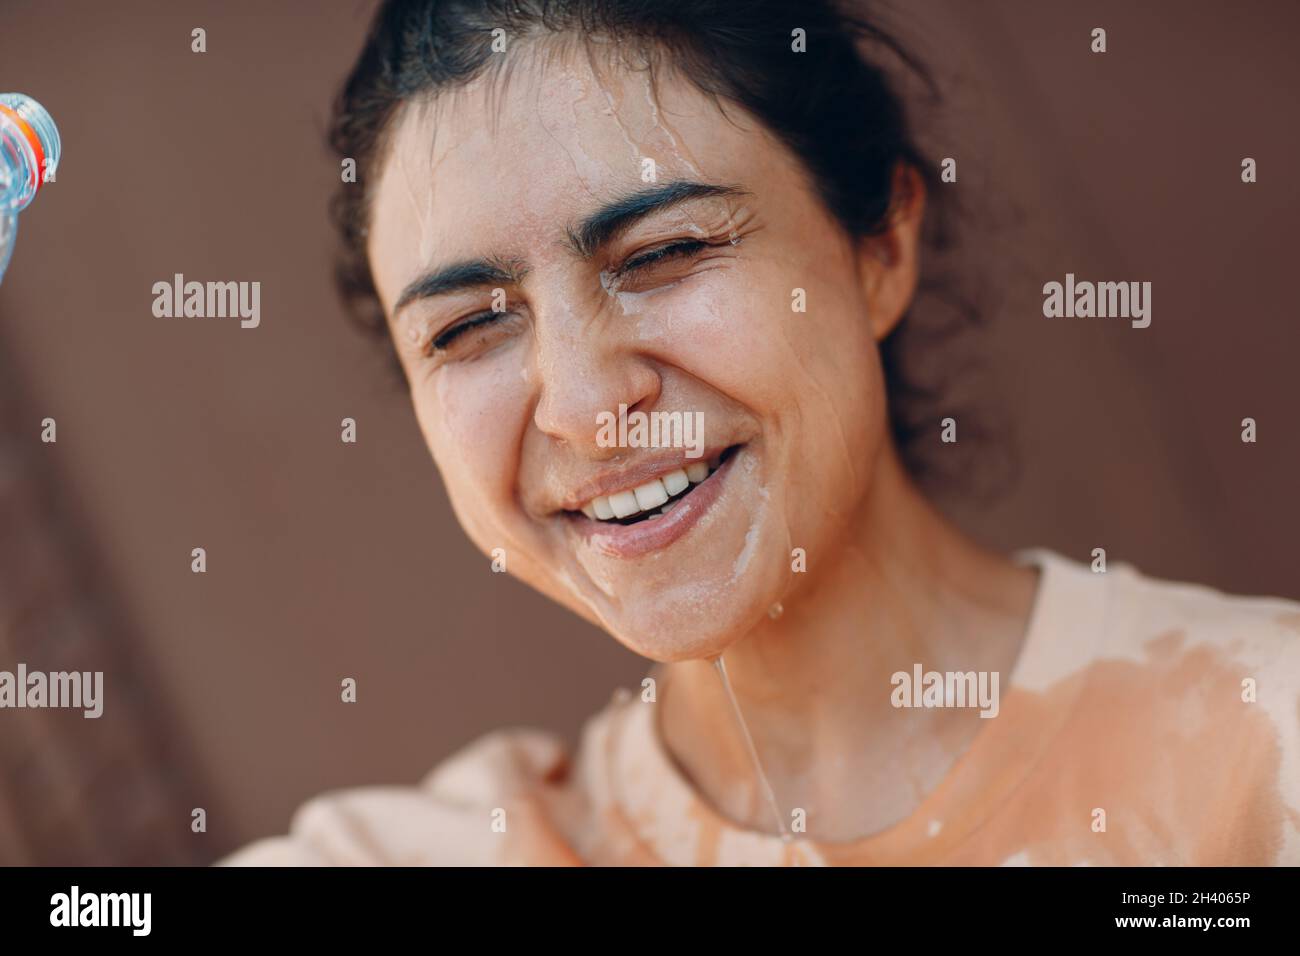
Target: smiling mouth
(656, 497)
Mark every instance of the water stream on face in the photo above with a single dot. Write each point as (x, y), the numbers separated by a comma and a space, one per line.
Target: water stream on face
(721, 669)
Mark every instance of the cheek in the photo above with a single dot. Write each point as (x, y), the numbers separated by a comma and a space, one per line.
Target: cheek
(472, 416)
(738, 331)
(811, 379)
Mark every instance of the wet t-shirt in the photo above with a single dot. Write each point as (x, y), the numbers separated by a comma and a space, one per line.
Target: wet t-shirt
(1145, 722)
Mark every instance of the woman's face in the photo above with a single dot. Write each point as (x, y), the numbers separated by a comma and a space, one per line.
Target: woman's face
(552, 247)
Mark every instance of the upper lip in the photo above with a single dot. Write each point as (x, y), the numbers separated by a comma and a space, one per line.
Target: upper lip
(633, 474)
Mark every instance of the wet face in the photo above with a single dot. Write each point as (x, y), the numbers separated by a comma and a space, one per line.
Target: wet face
(573, 241)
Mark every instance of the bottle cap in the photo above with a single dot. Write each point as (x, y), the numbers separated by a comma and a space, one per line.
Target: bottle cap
(34, 140)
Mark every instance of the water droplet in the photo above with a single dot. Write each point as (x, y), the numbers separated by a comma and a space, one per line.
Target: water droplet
(776, 610)
(734, 237)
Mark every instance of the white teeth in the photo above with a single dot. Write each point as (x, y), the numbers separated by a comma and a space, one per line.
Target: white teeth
(650, 495)
(623, 504)
(676, 482)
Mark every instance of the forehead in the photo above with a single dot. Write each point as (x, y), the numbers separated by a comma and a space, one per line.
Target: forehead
(504, 164)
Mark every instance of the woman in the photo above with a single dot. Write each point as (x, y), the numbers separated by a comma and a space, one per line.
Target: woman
(573, 213)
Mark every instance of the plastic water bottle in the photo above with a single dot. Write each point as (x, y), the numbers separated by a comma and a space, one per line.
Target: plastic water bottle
(29, 156)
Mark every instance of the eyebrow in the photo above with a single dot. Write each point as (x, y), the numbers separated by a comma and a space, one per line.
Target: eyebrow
(585, 239)
(614, 218)
(459, 276)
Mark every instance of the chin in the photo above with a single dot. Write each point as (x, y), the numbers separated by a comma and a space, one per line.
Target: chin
(694, 620)
(691, 641)
(686, 584)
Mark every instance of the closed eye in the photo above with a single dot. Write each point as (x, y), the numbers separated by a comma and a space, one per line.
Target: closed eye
(673, 250)
(445, 338)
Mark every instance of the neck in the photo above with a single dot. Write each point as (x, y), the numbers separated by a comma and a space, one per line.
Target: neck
(813, 683)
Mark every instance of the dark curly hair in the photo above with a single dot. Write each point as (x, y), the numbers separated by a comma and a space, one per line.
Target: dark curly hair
(833, 106)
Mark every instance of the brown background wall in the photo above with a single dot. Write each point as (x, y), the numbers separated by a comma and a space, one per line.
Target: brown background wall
(329, 560)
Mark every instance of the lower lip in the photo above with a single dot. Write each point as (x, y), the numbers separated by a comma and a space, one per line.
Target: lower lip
(644, 537)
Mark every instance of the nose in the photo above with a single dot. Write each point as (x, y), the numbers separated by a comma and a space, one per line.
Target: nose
(584, 369)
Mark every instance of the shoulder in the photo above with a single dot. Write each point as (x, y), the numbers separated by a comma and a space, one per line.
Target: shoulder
(445, 820)
(1186, 714)
(1258, 632)
(1124, 613)
(1232, 662)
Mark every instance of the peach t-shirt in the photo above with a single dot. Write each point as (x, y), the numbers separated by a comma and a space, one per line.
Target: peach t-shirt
(1130, 696)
